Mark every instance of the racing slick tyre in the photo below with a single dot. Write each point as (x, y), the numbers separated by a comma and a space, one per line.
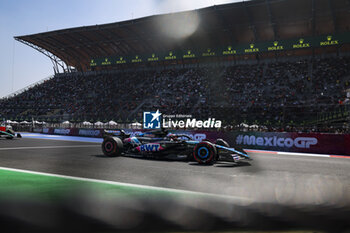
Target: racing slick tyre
(221, 142)
(112, 146)
(204, 153)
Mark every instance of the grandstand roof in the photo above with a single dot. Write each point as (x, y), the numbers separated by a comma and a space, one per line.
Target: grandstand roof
(244, 22)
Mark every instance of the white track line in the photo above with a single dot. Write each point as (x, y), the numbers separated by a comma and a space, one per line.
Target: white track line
(254, 151)
(155, 188)
(59, 138)
(44, 147)
(303, 154)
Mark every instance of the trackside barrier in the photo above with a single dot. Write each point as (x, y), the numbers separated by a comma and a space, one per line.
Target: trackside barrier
(318, 143)
(38, 130)
(337, 144)
(96, 133)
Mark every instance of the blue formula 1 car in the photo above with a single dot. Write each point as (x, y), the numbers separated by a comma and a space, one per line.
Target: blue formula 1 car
(161, 144)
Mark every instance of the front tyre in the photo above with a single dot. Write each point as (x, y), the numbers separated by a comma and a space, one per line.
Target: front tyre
(204, 153)
(112, 146)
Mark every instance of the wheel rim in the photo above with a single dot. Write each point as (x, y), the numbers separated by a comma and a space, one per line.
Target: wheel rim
(109, 146)
(203, 152)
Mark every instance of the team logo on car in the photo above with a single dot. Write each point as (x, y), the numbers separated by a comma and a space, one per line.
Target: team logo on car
(149, 148)
(151, 120)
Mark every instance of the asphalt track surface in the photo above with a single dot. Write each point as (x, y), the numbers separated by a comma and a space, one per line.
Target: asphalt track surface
(283, 180)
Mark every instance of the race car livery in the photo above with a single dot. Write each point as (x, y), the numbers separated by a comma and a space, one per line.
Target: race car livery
(161, 144)
(8, 133)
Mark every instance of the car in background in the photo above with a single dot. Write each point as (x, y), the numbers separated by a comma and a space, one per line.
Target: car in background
(7, 132)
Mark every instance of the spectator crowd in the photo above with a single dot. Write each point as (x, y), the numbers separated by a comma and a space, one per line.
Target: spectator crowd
(275, 93)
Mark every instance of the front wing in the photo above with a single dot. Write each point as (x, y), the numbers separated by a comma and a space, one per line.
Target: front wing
(231, 154)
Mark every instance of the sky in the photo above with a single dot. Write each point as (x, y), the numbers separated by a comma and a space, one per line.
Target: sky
(21, 66)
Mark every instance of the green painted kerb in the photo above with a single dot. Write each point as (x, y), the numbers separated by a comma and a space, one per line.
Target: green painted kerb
(15, 184)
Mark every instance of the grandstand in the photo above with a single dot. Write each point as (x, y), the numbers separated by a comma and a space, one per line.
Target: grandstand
(281, 64)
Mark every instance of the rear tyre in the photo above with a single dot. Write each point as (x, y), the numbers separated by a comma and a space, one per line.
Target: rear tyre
(204, 153)
(112, 146)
